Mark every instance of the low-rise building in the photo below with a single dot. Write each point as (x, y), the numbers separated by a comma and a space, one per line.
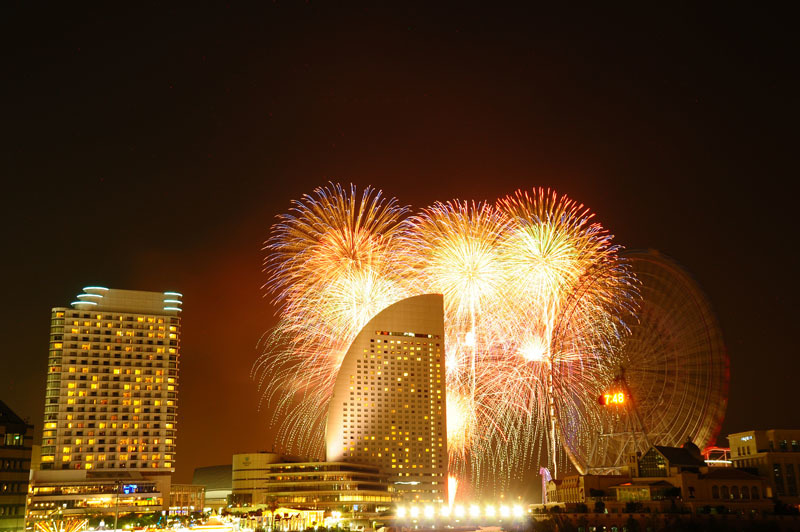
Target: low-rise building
(582, 488)
(16, 438)
(85, 493)
(218, 484)
(773, 454)
(270, 479)
(185, 499)
(667, 479)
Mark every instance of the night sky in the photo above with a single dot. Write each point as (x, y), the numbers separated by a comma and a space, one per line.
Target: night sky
(152, 150)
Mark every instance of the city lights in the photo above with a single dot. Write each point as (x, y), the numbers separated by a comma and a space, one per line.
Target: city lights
(486, 513)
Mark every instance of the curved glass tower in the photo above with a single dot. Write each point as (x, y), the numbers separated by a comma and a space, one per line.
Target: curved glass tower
(388, 405)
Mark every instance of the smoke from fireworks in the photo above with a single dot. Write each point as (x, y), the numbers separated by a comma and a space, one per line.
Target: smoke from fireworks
(535, 298)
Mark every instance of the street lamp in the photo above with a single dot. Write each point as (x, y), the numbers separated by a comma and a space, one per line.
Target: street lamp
(117, 485)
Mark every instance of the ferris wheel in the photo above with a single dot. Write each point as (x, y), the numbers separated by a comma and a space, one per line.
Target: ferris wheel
(666, 383)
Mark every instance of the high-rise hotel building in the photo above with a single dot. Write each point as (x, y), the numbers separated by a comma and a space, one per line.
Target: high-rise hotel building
(112, 382)
(388, 407)
(110, 414)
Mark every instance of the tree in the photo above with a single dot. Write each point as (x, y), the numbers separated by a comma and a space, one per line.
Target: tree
(272, 504)
(632, 525)
(632, 507)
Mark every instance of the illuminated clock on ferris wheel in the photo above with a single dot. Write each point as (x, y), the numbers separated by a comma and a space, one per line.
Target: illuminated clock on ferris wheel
(667, 382)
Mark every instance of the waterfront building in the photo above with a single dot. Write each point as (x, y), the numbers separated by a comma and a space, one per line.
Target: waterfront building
(112, 391)
(272, 480)
(16, 438)
(773, 454)
(81, 493)
(112, 382)
(388, 408)
(185, 499)
(218, 485)
(665, 479)
(582, 488)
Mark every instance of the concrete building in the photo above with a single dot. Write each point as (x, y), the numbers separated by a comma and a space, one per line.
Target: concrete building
(217, 481)
(112, 388)
(16, 439)
(388, 408)
(81, 493)
(582, 488)
(773, 454)
(666, 479)
(185, 499)
(269, 479)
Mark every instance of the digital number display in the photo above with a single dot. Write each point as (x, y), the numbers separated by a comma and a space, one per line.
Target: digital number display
(615, 398)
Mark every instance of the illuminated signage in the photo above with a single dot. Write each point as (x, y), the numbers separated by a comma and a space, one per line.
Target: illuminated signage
(615, 398)
(129, 488)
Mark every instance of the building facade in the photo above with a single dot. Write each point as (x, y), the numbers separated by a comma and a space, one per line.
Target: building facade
(185, 499)
(82, 493)
(773, 454)
(112, 387)
(388, 408)
(582, 488)
(666, 479)
(16, 439)
(217, 483)
(268, 479)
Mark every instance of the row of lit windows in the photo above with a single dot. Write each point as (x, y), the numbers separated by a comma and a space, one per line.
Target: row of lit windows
(75, 332)
(117, 317)
(75, 328)
(75, 369)
(104, 352)
(102, 457)
(107, 460)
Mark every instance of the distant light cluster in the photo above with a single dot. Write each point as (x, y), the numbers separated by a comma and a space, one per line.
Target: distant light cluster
(458, 513)
(536, 300)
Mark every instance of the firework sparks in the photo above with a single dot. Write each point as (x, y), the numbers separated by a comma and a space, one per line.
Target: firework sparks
(534, 296)
(333, 263)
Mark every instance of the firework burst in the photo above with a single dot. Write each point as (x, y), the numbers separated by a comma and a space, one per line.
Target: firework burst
(332, 264)
(535, 300)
